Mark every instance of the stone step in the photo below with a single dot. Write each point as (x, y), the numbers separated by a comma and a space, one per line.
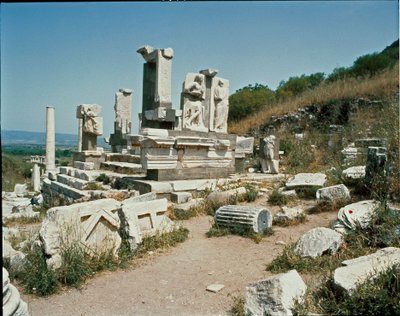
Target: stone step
(117, 157)
(72, 181)
(84, 165)
(122, 167)
(64, 189)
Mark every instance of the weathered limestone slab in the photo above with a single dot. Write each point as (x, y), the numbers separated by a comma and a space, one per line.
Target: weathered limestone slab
(359, 270)
(123, 111)
(274, 295)
(72, 182)
(93, 225)
(317, 242)
(356, 214)
(141, 219)
(20, 190)
(357, 172)
(82, 165)
(69, 171)
(181, 197)
(13, 305)
(91, 125)
(122, 167)
(306, 180)
(215, 288)
(333, 193)
(224, 197)
(188, 205)
(244, 145)
(146, 186)
(256, 219)
(142, 198)
(289, 213)
(17, 258)
(194, 185)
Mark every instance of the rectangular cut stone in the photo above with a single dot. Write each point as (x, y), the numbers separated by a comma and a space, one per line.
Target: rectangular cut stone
(306, 180)
(84, 165)
(123, 112)
(181, 197)
(93, 224)
(190, 173)
(244, 145)
(194, 185)
(141, 219)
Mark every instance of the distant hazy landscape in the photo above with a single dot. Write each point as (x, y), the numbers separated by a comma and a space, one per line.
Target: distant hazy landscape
(9, 137)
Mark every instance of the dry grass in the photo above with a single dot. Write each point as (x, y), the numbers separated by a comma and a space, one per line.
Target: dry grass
(383, 85)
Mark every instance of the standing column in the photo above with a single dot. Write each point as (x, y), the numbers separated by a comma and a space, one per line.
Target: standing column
(50, 142)
(36, 177)
(80, 121)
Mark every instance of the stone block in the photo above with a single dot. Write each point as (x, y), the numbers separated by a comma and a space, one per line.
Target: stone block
(306, 180)
(181, 197)
(359, 270)
(194, 185)
(244, 145)
(84, 165)
(318, 241)
(141, 219)
(333, 193)
(275, 295)
(289, 213)
(224, 197)
(93, 224)
(357, 172)
(20, 190)
(356, 215)
(188, 205)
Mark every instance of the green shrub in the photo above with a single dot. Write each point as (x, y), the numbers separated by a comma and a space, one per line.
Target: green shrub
(179, 214)
(244, 231)
(277, 198)
(251, 192)
(307, 192)
(123, 184)
(103, 178)
(35, 276)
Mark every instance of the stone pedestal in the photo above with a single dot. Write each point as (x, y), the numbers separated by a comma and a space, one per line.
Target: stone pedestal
(188, 155)
(50, 143)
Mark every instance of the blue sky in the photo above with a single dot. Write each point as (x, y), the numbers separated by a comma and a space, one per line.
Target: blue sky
(66, 54)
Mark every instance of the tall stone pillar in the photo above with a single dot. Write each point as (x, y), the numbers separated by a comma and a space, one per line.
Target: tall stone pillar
(50, 143)
(80, 122)
(36, 177)
(157, 104)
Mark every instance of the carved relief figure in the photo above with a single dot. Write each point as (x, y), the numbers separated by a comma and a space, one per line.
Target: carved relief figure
(193, 109)
(221, 107)
(267, 155)
(90, 124)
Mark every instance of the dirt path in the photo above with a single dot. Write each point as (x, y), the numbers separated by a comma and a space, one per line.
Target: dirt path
(174, 282)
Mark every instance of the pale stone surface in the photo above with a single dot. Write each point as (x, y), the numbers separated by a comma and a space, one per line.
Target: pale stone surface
(223, 197)
(13, 305)
(257, 219)
(359, 270)
(181, 197)
(141, 219)
(36, 177)
(333, 193)
(356, 214)
(306, 180)
(215, 288)
(221, 104)
(20, 190)
(50, 142)
(357, 172)
(289, 193)
(94, 224)
(123, 112)
(9, 203)
(317, 242)
(289, 213)
(274, 295)
(82, 165)
(193, 102)
(17, 258)
(91, 125)
(269, 154)
(188, 205)
(194, 185)
(244, 145)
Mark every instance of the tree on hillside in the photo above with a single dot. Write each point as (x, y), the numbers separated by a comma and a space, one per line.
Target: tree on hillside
(296, 85)
(249, 100)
